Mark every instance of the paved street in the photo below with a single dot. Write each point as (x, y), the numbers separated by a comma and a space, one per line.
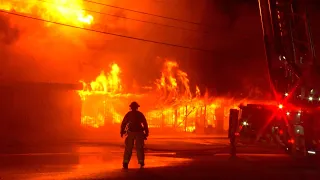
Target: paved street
(190, 159)
(85, 158)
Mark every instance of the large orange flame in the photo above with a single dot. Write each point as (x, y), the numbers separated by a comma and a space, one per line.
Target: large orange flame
(173, 81)
(175, 106)
(62, 11)
(104, 84)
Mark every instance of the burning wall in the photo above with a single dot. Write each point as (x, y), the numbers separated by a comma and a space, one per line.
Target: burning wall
(168, 103)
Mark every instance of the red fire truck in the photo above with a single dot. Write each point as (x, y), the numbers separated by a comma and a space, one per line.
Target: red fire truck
(294, 123)
(293, 130)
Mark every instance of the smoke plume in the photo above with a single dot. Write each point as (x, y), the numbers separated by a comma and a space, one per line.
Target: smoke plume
(8, 34)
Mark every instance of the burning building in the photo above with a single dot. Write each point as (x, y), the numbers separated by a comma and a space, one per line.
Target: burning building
(168, 104)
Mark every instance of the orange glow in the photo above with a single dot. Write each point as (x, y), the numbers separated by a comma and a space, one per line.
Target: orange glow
(168, 83)
(103, 84)
(62, 11)
(93, 161)
(280, 106)
(170, 103)
(104, 87)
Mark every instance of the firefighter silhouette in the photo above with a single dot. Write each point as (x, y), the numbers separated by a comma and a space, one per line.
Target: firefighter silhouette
(135, 126)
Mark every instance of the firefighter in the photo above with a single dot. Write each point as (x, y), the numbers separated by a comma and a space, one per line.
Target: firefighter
(233, 126)
(135, 126)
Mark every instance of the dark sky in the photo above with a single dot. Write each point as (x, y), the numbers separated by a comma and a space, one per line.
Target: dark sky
(242, 60)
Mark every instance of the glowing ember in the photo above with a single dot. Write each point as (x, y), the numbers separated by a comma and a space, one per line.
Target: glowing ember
(62, 11)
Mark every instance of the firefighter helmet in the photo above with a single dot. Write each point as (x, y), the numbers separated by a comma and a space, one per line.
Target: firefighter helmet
(134, 105)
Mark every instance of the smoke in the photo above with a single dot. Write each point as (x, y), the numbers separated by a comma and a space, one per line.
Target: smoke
(48, 52)
(8, 34)
(28, 55)
(38, 51)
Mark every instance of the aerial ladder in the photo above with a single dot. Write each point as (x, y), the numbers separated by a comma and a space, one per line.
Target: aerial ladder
(289, 48)
(293, 67)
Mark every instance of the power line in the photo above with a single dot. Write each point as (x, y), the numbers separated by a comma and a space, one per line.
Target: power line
(103, 32)
(155, 15)
(133, 19)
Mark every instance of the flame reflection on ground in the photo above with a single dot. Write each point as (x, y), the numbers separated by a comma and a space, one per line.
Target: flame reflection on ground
(83, 162)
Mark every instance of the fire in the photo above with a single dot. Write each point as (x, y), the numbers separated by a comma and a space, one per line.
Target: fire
(62, 11)
(110, 83)
(97, 97)
(104, 84)
(198, 93)
(173, 82)
(170, 104)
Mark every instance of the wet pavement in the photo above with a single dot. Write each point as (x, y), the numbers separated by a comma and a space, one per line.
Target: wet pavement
(84, 161)
(80, 160)
(196, 159)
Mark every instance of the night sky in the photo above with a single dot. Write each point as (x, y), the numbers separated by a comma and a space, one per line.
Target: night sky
(242, 62)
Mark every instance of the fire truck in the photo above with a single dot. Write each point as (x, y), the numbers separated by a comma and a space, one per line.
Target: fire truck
(293, 123)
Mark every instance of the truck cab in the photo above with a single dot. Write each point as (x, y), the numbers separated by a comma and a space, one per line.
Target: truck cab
(262, 123)
(293, 130)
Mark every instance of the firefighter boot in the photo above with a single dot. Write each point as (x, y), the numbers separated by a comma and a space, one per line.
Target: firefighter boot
(125, 165)
(141, 165)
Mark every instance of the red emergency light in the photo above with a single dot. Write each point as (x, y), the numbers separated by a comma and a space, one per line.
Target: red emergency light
(280, 106)
(291, 141)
